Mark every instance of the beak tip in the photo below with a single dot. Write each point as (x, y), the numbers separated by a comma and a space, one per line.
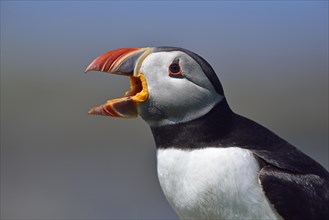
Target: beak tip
(92, 112)
(91, 67)
(100, 110)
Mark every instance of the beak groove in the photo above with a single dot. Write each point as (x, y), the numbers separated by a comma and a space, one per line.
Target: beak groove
(120, 61)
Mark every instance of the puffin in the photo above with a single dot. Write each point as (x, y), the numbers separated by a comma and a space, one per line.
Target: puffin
(211, 162)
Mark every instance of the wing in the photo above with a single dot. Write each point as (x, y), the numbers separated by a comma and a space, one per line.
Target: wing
(296, 196)
(294, 183)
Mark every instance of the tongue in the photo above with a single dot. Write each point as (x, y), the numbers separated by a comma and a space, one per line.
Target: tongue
(123, 107)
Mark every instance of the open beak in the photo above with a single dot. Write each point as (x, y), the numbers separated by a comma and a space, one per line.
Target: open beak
(124, 61)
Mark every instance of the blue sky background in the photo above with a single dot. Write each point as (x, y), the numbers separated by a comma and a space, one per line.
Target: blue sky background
(59, 163)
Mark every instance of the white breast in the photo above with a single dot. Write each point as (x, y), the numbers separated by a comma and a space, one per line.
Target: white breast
(213, 183)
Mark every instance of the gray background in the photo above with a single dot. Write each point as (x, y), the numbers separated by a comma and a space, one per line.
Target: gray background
(59, 163)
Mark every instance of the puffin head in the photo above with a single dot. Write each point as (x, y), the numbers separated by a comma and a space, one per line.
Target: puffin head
(168, 85)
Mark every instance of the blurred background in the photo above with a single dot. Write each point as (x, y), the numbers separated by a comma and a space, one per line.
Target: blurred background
(59, 163)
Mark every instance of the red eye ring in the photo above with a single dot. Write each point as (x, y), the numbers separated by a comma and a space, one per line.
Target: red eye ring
(175, 70)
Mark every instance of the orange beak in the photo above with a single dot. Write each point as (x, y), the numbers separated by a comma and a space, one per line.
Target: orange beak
(124, 61)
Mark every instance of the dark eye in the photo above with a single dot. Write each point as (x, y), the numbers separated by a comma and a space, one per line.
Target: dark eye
(174, 68)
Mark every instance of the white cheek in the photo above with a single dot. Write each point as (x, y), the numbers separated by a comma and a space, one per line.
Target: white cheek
(169, 89)
(180, 103)
(178, 99)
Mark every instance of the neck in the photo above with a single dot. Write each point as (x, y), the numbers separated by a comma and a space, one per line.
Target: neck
(188, 135)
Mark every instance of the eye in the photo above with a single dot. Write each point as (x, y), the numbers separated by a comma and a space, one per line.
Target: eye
(174, 68)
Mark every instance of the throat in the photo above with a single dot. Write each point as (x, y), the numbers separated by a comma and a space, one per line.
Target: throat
(193, 134)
